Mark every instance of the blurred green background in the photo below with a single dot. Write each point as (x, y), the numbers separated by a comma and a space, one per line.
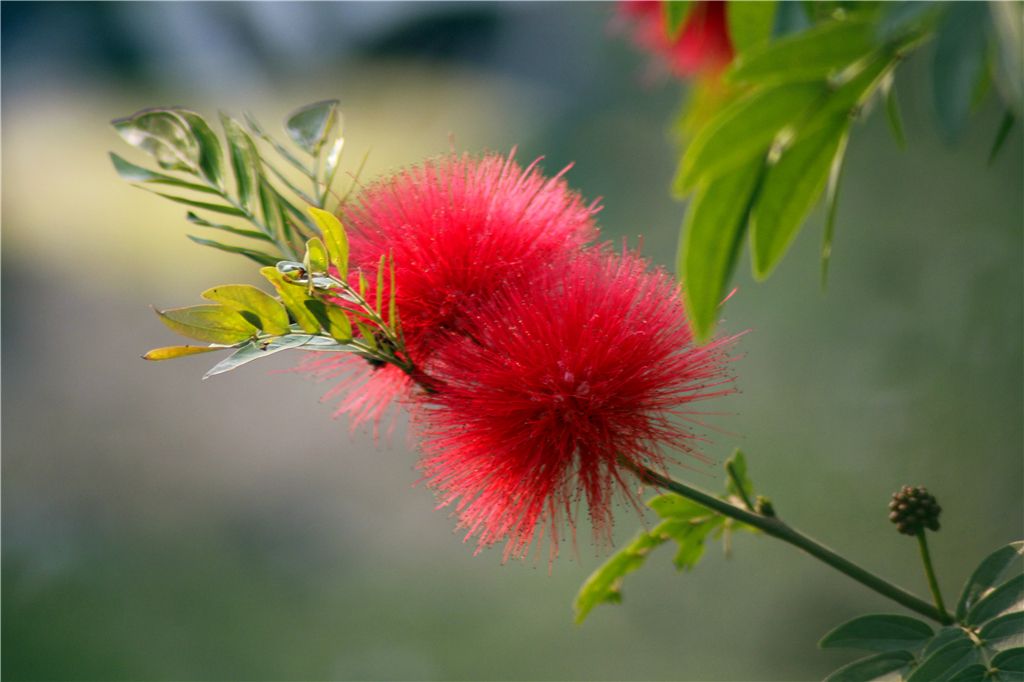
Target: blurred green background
(156, 527)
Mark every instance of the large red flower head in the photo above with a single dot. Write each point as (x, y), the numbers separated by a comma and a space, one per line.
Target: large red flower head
(591, 363)
(458, 228)
(702, 46)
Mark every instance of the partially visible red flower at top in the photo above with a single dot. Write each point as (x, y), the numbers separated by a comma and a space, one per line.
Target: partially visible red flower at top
(593, 363)
(702, 46)
(459, 228)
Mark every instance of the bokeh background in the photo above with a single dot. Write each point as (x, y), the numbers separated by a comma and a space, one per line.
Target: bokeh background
(156, 527)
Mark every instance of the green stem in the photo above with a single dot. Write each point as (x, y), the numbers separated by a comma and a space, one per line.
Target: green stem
(776, 528)
(933, 584)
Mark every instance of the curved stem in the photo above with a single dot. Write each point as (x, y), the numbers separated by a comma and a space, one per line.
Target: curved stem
(933, 584)
(776, 528)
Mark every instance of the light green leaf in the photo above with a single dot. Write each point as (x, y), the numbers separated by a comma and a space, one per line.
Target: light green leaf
(1008, 24)
(211, 323)
(750, 23)
(132, 173)
(310, 125)
(1007, 597)
(380, 284)
(959, 63)
(690, 536)
(605, 584)
(294, 298)
(211, 157)
(171, 352)
(789, 190)
(260, 257)
(946, 662)
(892, 113)
(872, 667)
(832, 205)
(163, 134)
(1006, 631)
(738, 483)
(316, 256)
(744, 131)
(268, 313)
(331, 165)
(332, 318)
(675, 16)
(878, 632)
(987, 575)
(712, 234)
(334, 238)
(241, 232)
(245, 161)
(673, 506)
(814, 54)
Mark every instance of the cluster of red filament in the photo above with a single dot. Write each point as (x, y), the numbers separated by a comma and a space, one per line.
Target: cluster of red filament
(552, 364)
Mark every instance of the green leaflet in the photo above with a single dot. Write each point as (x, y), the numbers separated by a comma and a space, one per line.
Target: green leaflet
(879, 632)
(987, 575)
(712, 234)
(790, 188)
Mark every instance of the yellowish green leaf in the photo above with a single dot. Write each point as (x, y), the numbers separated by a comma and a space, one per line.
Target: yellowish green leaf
(268, 313)
(211, 323)
(294, 298)
(334, 238)
(171, 352)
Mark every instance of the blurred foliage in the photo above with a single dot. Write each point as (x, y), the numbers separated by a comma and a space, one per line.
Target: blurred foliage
(803, 74)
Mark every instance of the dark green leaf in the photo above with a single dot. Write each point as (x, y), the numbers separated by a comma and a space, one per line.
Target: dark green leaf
(245, 161)
(294, 298)
(675, 16)
(950, 633)
(902, 18)
(309, 126)
(216, 208)
(272, 317)
(241, 232)
(710, 244)
(744, 131)
(255, 350)
(260, 257)
(163, 134)
(872, 667)
(1004, 632)
(815, 54)
(171, 352)
(211, 158)
(987, 575)
(789, 190)
(1011, 660)
(1007, 597)
(273, 215)
(750, 23)
(1005, 126)
(892, 113)
(605, 584)
(879, 632)
(790, 18)
(959, 61)
(972, 673)
(210, 323)
(132, 173)
(946, 662)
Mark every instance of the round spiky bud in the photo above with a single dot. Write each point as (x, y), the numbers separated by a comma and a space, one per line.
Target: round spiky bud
(913, 509)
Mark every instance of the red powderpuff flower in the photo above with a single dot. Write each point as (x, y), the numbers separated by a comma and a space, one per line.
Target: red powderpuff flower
(560, 380)
(702, 46)
(459, 228)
